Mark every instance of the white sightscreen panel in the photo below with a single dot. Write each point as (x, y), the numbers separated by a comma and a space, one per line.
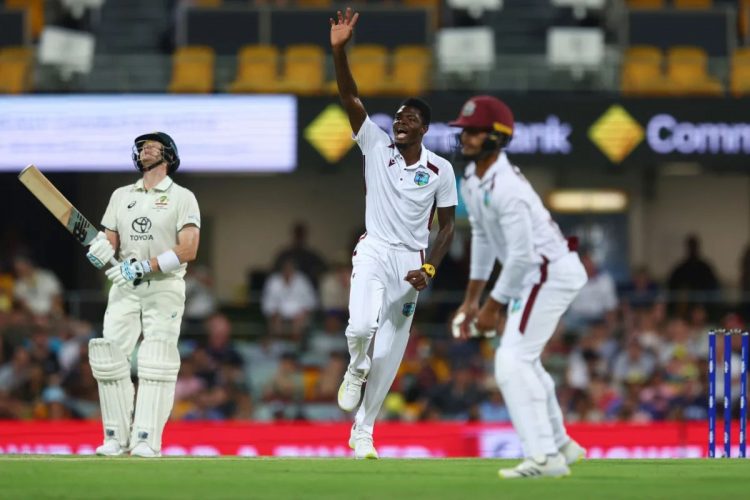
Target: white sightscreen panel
(95, 132)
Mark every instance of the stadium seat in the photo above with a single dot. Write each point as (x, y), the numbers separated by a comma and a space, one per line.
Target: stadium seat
(15, 70)
(743, 21)
(192, 70)
(303, 70)
(207, 3)
(34, 13)
(314, 3)
(369, 65)
(411, 70)
(739, 81)
(692, 4)
(646, 4)
(256, 69)
(687, 72)
(642, 71)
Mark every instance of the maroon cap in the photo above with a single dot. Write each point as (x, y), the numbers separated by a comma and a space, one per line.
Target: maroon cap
(487, 112)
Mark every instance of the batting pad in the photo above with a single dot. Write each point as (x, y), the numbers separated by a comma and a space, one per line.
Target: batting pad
(111, 370)
(158, 365)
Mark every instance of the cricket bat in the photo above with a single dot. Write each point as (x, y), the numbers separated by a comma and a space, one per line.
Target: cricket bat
(64, 211)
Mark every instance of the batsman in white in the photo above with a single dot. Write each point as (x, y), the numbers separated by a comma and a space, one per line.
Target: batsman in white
(155, 225)
(404, 185)
(541, 275)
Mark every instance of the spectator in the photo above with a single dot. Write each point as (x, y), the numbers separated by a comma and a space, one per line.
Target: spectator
(286, 385)
(219, 345)
(642, 291)
(200, 301)
(37, 290)
(634, 364)
(304, 258)
(596, 301)
(692, 280)
(334, 289)
(288, 300)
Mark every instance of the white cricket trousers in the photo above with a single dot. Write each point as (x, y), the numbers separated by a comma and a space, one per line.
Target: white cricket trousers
(527, 388)
(154, 308)
(381, 305)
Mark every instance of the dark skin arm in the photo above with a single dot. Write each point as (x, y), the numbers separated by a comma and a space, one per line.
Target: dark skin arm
(447, 222)
(342, 30)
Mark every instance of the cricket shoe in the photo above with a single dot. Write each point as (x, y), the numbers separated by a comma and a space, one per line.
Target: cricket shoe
(573, 452)
(363, 446)
(110, 448)
(143, 450)
(549, 466)
(350, 391)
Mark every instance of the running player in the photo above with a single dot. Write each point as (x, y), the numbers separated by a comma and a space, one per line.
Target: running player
(404, 184)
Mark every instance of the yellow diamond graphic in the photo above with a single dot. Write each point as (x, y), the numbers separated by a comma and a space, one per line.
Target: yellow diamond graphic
(616, 133)
(330, 133)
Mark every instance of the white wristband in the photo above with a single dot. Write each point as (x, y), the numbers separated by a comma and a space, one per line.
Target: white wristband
(168, 261)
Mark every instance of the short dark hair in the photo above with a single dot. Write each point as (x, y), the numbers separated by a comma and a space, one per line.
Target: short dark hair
(424, 109)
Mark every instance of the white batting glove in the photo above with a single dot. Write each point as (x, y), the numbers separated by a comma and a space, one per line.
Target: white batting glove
(473, 331)
(128, 271)
(100, 251)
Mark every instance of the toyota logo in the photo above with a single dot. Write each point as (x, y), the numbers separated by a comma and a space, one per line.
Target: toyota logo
(141, 225)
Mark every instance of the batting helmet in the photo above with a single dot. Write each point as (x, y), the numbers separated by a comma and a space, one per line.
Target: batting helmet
(169, 150)
(487, 113)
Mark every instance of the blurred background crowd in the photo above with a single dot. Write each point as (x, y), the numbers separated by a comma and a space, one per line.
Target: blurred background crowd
(636, 351)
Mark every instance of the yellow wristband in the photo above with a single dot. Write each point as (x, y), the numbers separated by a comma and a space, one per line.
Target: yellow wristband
(429, 269)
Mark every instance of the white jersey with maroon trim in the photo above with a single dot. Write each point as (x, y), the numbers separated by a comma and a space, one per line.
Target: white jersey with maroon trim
(401, 199)
(509, 223)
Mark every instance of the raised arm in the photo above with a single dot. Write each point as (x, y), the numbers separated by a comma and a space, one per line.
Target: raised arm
(342, 30)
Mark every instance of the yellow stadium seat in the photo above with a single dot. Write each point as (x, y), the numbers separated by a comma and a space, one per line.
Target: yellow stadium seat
(303, 70)
(743, 15)
(642, 71)
(693, 4)
(646, 4)
(310, 377)
(739, 80)
(34, 13)
(422, 3)
(192, 70)
(411, 70)
(256, 69)
(369, 65)
(688, 74)
(15, 70)
(314, 3)
(207, 3)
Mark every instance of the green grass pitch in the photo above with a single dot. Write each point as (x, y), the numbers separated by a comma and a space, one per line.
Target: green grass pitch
(73, 477)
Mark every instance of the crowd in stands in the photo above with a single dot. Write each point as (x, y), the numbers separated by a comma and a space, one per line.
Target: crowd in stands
(621, 354)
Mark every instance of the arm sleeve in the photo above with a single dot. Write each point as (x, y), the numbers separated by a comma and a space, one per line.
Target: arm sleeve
(447, 194)
(482, 257)
(189, 213)
(371, 136)
(515, 223)
(109, 221)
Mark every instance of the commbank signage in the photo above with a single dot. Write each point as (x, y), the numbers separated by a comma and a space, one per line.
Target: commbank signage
(562, 130)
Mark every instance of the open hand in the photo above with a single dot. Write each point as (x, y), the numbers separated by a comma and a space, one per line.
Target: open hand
(343, 28)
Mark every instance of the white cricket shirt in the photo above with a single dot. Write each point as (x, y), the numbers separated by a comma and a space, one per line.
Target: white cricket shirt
(148, 221)
(509, 223)
(400, 199)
